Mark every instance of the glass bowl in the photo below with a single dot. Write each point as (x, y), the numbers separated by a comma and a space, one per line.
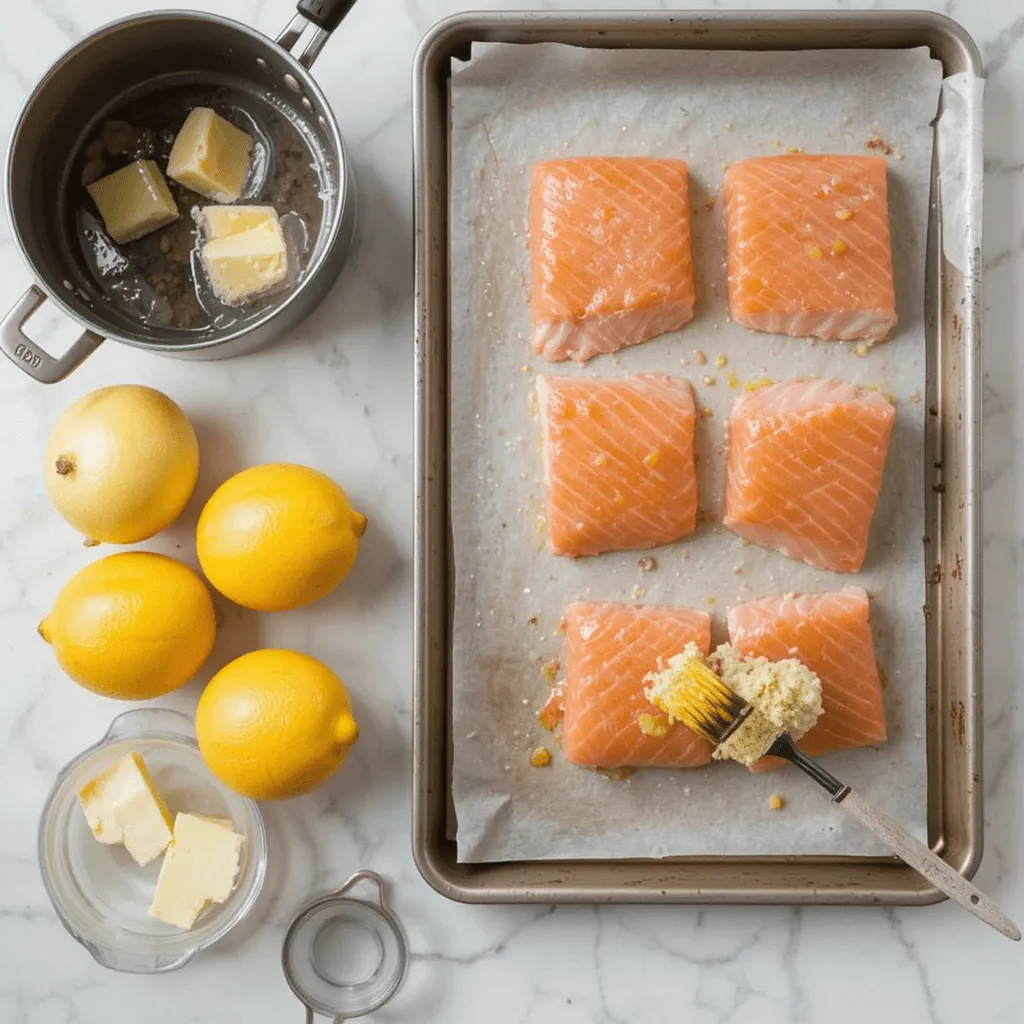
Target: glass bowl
(100, 894)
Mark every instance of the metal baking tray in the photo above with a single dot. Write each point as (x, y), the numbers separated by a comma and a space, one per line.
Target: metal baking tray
(953, 495)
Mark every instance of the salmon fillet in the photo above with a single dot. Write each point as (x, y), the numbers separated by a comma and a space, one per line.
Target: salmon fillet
(619, 471)
(831, 635)
(808, 244)
(805, 468)
(610, 254)
(610, 649)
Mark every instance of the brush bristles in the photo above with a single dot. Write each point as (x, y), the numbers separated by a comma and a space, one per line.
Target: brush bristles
(707, 705)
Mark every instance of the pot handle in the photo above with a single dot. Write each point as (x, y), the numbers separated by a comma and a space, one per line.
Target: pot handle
(28, 356)
(326, 15)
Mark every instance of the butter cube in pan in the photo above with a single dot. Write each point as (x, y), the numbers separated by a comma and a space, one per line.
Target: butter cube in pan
(200, 868)
(221, 221)
(250, 260)
(211, 156)
(133, 201)
(122, 806)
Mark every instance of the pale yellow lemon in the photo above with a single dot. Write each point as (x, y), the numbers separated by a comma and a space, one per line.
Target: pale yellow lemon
(121, 463)
(133, 626)
(275, 724)
(278, 537)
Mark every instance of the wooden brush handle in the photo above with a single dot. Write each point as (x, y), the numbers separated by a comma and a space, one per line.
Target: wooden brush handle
(928, 864)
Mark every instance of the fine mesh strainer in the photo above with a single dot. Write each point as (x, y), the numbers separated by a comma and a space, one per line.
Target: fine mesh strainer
(345, 956)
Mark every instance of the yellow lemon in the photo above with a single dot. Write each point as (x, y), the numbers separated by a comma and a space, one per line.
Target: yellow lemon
(275, 724)
(132, 626)
(122, 463)
(278, 537)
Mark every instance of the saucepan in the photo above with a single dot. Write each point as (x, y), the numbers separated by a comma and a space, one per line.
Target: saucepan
(162, 62)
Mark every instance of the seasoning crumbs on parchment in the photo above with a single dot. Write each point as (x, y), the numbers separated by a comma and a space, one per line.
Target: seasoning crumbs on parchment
(541, 757)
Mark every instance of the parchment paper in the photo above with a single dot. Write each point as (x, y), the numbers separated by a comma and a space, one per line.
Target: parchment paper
(513, 106)
(961, 168)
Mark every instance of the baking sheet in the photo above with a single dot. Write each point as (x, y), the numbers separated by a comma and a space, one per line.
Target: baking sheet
(512, 106)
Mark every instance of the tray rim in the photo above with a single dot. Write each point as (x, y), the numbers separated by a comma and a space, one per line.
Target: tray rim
(693, 880)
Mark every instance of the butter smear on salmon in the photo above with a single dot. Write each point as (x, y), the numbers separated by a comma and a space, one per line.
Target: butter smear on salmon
(786, 696)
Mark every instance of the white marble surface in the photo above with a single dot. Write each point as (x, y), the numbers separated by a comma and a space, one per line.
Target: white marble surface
(338, 395)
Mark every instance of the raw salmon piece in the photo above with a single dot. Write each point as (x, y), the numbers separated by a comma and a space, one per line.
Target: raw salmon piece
(808, 246)
(805, 468)
(831, 635)
(618, 462)
(610, 649)
(610, 254)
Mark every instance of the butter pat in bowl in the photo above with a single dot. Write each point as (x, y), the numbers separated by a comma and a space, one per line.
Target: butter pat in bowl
(245, 254)
(122, 806)
(198, 871)
(101, 894)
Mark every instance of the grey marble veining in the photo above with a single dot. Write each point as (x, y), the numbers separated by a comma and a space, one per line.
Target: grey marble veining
(338, 395)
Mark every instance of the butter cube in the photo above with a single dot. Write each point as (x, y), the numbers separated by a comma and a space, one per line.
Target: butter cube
(122, 805)
(246, 264)
(200, 868)
(211, 156)
(133, 201)
(222, 221)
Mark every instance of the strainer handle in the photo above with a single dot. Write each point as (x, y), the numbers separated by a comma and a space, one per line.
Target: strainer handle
(367, 876)
(28, 356)
(311, 1017)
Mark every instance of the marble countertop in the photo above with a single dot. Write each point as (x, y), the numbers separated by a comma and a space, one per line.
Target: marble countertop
(338, 395)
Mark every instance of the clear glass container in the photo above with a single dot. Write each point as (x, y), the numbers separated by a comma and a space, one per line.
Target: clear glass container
(100, 894)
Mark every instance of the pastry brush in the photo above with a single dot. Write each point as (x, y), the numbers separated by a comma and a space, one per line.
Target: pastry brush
(709, 707)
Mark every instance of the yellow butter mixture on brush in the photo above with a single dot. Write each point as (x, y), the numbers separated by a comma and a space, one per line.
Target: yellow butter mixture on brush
(786, 697)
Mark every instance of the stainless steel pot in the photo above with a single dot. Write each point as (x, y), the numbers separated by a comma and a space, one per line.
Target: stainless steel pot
(94, 79)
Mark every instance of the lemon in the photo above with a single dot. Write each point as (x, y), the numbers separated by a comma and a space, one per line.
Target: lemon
(278, 537)
(132, 626)
(121, 464)
(275, 724)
